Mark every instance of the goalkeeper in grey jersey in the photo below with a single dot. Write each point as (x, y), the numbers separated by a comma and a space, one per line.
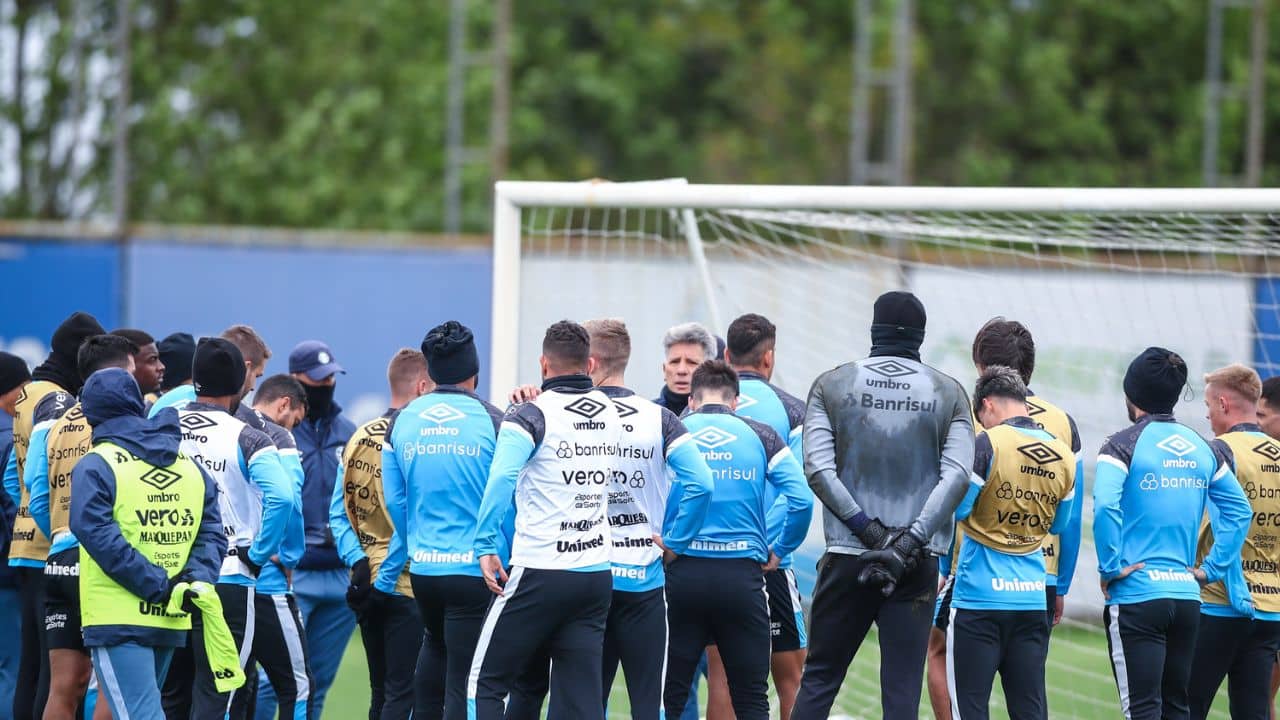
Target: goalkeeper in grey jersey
(888, 443)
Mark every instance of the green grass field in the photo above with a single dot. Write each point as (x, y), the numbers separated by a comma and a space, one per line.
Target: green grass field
(1078, 679)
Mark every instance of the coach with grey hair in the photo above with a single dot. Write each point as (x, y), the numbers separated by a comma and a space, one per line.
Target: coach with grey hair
(685, 347)
(888, 445)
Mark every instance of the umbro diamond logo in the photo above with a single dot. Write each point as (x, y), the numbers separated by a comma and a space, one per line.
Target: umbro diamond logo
(713, 437)
(378, 428)
(586, 407)
(1268, 450)
(1040, 453)
(1177, 445)
(195, 421)
(159, 478)
(624, 410)
(442, 413)
(746, 401)
(1034, 409)
(890, 369)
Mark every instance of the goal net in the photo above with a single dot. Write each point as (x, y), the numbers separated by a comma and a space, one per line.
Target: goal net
(1097, 275)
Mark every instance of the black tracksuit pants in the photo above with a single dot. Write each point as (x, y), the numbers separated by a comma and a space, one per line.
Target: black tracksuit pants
(392, 636)
(842, 614)
(635, 636)
(562, 610)
(1243, 651)
(32, 691)
(721, 601)
(1152, 644)
(980, 643)
(452, 608)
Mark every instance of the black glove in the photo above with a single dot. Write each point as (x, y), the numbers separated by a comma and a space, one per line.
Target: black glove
(181, 577)
(242, 552)
(873, 534)
(361, 587)
(886, 567)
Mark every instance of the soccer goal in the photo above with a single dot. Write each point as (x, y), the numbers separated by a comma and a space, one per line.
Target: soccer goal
(1096, 274)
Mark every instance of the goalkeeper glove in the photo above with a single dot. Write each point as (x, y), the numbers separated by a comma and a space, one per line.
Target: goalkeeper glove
(870, 531)
(886, 567)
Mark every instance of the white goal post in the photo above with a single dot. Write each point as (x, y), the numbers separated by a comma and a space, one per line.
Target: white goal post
(513, 198)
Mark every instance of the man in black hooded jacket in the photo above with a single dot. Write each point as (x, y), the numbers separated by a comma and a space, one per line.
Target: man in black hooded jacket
(55, 383)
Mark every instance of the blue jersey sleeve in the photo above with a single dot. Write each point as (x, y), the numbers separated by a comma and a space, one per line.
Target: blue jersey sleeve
(344, 536)
(37, 478)
(965, 507)
(785, 474)
(266, 472)
(690, 495)
(513, 449)
(393, 564)
(1234, 514)
(1069, 536)
(12, 487)
(395, 490)
(1108, 487)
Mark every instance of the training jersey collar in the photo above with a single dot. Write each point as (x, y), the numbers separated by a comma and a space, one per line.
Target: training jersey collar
(1022, 421)
(715, 409)
(751, 375)
(197, 405)
(1245, 427)
(454, 389)
(576, 383)
(1156, 417)
(615, 391)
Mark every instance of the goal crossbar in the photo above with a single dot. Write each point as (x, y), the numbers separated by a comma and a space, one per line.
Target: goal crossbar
(510, 197)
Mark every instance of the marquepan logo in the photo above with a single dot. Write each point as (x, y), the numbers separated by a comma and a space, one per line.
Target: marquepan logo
(159, 478)
(195, 421)
(1268, 450)
(1176, 445)
(441, 414)
(713, 437)
(1040, 453)
(586, 407)
(890, 369)
(746, 401)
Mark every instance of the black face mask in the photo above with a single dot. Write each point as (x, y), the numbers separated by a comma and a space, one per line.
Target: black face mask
(319, 400)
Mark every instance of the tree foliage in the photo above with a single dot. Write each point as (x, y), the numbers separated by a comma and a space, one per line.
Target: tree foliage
(332, 114)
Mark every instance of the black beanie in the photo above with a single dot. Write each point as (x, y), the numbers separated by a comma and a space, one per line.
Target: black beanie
(1155, 380)
(218, 368)
(13, 372)
(451, 353)
(74, 330)
(897, 325)
(176, 352)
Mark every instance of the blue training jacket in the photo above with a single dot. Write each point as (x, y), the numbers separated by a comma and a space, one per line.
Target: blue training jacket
(320, 443)
(1150, 490)
(773, 406)
(435, 463)
(746, 457)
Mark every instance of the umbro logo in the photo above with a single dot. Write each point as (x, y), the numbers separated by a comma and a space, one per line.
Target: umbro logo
(1033, 409)
(1177, 445)
(195, 421)
(890, 369)
(160, 478)
(75, 413)
(442, 413)
(1268, 450)
(1040, 453)
(624, 410)
(378, 428)
(746, 401)
(586, 407)
(712, 437)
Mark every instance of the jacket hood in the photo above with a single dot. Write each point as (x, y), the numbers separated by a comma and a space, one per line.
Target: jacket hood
(113, 405)
(60, 367)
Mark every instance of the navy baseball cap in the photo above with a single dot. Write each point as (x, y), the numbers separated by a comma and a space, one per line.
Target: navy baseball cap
(314, 358)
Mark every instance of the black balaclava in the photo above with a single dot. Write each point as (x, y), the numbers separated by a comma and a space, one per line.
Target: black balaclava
(13, 372)
(451, 355)
(176, 352)
(60, 367)
(897, 325)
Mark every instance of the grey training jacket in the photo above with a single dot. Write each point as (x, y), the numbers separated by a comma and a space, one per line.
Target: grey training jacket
(891, 437)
